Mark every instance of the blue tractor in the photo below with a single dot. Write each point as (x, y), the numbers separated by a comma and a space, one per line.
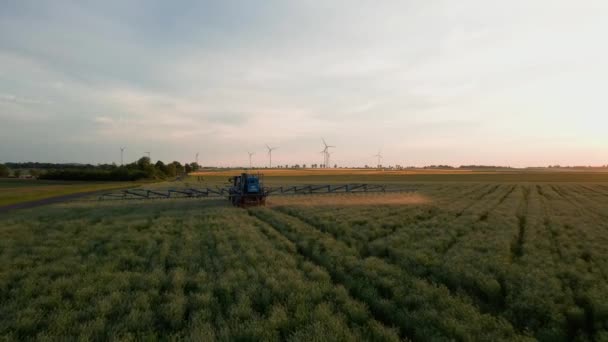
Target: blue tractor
(247, 190)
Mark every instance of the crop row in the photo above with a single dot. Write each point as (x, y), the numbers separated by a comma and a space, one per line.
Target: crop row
(421, 310)
(215, 274)
(530, 254)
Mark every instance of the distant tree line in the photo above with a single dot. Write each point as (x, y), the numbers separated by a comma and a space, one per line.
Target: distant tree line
(4, 171)
(439, 167)
(55, 166)
(140, 169)
(483, 167)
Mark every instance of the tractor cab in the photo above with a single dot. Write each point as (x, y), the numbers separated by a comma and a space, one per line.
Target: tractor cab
(247, 189)
(246, 183)
(252, 184)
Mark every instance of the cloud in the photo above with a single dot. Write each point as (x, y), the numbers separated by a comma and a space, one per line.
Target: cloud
(10, 98)
(217, 76)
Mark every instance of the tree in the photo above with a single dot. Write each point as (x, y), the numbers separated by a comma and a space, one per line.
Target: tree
(179, 169)
(17, 173)
(35, 173)
(143, 163)
(161, 167)
(187, 168)
(4, 171)
(171, 170)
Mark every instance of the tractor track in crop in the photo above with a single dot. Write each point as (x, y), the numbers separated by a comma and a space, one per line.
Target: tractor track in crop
(580, 207)
(283, 244)
(419, 219)
(551, 233)
(456, 198)
(477, 199)
(459, 213)
(465, 194)
(584, 235)
(589, 189)
(583, 209)
(586, 193)
(517, 245)
(555, 246)
(334, 274)
(427, 276)
(482, 218)
(350, 267)
(485, 213)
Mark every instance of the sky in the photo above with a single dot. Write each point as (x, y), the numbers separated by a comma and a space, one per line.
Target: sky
(519, 83)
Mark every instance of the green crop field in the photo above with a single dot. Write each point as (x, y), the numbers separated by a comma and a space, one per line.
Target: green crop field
(13, 191)
(467, 261)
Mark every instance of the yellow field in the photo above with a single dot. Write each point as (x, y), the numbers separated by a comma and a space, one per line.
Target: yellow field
(343, 172)
(307, 176)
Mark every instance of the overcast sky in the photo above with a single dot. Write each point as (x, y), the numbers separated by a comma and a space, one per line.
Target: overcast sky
(427, 82)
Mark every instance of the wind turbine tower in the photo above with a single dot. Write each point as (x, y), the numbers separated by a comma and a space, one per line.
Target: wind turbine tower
(328, 157)
(148, 153)
(196, 158)
(250, 154)
(122, 151)
(270, 149)
(379, 156)
(326, 153)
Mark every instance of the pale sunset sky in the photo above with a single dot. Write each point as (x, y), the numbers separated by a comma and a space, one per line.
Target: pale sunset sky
(517, 83)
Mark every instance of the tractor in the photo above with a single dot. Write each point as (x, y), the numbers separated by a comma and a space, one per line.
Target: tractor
(247, 190)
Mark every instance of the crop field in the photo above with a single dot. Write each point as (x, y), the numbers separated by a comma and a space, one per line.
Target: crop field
(466, 261)
(13, 191)
(307, 176)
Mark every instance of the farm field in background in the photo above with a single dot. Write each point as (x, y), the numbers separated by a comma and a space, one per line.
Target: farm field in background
(13, 191)
(457, 260)
(308, 176)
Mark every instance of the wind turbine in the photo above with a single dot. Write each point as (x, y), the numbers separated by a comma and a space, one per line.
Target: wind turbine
(250, 154)
(324, 156)
(326, 152)
(196, 159)
(148, 153)
(270, 149)
(379, 156)
(328, 156)
(122, 151)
